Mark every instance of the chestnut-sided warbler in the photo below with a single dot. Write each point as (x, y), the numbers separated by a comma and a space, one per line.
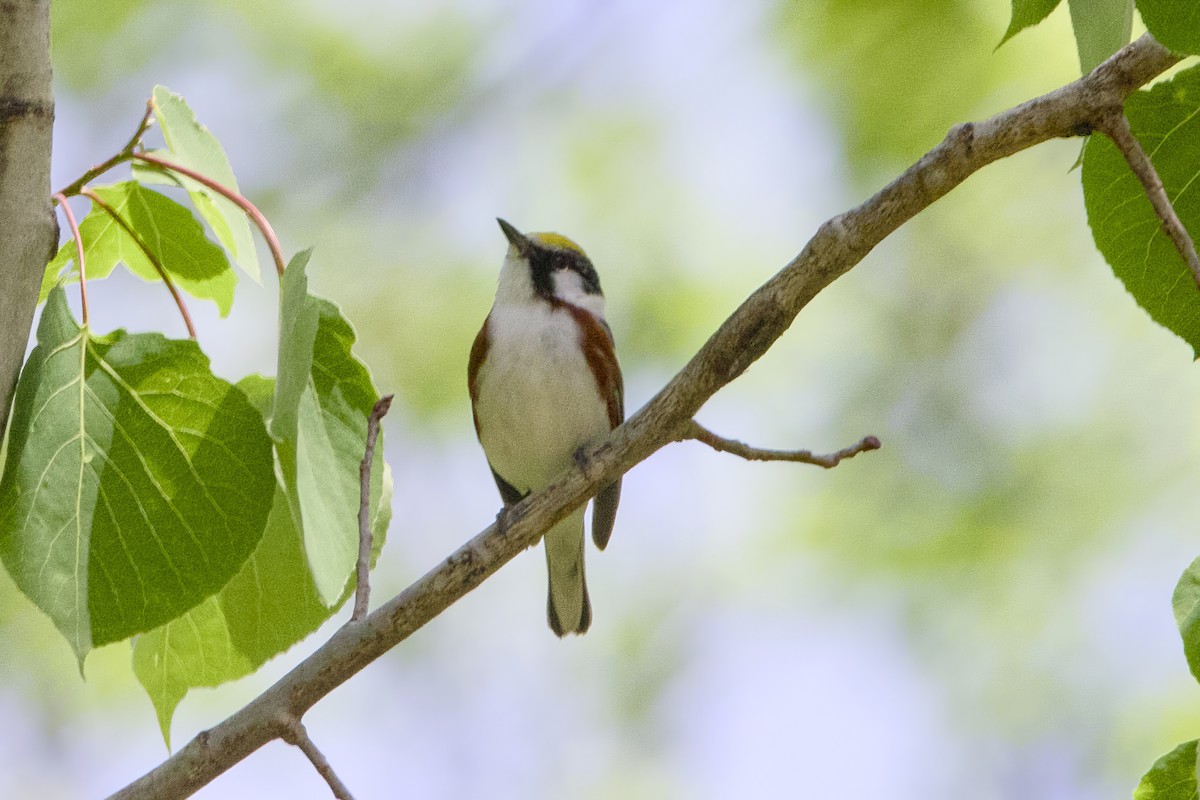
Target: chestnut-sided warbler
(545, 383)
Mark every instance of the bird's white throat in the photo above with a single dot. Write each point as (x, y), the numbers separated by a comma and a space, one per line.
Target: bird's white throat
(516, 287)
(538, 402)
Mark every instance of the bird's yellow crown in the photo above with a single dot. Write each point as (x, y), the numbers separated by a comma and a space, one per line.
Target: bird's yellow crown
(557, 240)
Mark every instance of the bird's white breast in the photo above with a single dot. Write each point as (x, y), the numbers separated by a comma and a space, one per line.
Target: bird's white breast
(537, 401)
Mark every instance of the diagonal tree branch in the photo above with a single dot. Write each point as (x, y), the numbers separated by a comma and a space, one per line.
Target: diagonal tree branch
(838, 245)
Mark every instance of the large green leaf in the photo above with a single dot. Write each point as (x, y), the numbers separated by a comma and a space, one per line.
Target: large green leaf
(1102, 27)
(136, 481)
(1175, 23)
(1026, 13)
(193, 145)
(323, 396)
(1186, 604)
(1166, 119)
(1173, 777)
(269, 605)
(170, 231)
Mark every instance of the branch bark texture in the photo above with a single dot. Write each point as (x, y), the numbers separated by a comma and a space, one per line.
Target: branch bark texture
(28, 232)
(295, 734)
(362, 569)
(838, 245)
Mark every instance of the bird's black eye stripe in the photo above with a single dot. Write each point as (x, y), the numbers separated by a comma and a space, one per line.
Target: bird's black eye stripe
(591, 281)
(574, 261)
(541, 267)
(545, 263)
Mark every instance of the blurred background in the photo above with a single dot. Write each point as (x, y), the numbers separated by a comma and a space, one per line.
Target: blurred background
(981, 609)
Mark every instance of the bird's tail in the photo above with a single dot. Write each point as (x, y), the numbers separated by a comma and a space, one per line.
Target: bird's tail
(567, 607)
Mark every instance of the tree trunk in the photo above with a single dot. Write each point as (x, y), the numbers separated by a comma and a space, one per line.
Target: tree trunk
(28, 231)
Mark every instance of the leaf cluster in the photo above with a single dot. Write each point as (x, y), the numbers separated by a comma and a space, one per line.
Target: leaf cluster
(1165, 119)
(142, 496)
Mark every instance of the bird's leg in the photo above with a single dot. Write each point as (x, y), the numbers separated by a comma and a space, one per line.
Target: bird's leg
(504, 519)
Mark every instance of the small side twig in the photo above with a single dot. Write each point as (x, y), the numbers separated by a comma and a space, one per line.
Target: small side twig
(229, 194)
(362, 591)
(124, 154)
(150, 256)
(66, 207)
(1116, 127)
(295, 734)
(694, 430)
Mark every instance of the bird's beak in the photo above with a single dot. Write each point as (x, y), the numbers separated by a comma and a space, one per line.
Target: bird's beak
(517, 239)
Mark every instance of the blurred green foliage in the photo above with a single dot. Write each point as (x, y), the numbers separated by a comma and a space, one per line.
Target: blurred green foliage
(1039, 431)
(895, 74)
(93, 45)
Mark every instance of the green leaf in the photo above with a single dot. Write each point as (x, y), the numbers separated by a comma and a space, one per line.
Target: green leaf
(193, 650)
(1027, 13)
(192, 145)
(1173, 777)
(1102, 27)
(323, 396)
(168, 229)
(1166, 119)
(1186, 604)
(203, 198)
(273, 603)
(270, 605)
(53, 274)
(136, 482)
(260, 391)
(1175, 23)
(298, 319)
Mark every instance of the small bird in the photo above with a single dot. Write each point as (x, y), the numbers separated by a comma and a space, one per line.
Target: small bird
(544, 383)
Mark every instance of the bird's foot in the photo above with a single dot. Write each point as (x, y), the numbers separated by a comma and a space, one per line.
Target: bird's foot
(582, 461)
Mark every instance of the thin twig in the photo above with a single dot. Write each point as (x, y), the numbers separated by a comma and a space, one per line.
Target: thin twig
(229, 194)
(362, 590)
(694, 430)
(66, 207)
(150, 256)
(1116, 127)
(294, 733)
(124, 154)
